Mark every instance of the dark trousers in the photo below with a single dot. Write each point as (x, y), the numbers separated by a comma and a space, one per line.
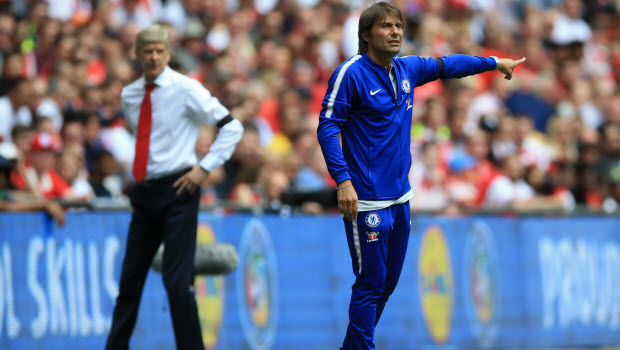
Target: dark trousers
(378, 245)
(159, 214)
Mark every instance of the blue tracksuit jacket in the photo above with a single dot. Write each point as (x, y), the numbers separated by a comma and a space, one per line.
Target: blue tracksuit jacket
(375, 121)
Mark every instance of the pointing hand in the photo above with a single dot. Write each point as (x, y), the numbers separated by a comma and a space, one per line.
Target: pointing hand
(506, 66)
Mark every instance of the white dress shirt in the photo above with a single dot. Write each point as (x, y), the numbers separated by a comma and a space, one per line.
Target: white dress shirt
(179, 106)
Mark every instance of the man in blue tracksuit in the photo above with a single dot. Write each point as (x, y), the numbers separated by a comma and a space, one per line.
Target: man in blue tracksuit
(364, 132)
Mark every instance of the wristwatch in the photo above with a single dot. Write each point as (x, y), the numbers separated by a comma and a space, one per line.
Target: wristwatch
(496, 61)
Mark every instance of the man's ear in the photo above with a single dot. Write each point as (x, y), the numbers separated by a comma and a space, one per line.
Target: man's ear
(365, 37)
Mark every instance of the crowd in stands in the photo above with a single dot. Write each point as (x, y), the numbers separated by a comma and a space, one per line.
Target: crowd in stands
(547, 139)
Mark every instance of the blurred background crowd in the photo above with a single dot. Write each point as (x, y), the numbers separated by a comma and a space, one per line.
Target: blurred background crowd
(547, 139)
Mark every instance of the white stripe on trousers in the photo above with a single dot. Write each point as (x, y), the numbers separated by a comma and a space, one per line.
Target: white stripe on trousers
(356, 243)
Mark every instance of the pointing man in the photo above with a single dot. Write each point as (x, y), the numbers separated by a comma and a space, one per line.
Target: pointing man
(367, 107)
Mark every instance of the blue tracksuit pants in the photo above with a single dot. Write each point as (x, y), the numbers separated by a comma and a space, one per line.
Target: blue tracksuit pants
(377, 244)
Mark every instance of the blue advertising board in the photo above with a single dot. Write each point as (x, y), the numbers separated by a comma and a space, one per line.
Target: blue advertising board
(470, 282)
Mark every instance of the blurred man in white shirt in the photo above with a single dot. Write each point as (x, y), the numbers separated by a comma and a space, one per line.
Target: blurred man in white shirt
(165, 110)
(509, 189)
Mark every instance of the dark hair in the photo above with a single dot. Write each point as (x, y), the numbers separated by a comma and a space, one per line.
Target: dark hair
(13, 83)
(372, 15)
(99, 154)
(75, 116)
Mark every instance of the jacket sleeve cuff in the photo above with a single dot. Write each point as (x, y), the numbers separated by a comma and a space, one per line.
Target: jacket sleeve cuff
(496, 61)
(342, 176)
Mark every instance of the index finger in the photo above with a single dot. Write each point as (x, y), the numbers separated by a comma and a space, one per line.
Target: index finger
(178, 182)
(347, 212)
(182, 186)
(520, 61)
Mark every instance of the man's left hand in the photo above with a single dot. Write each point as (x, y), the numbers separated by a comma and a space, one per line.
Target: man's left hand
(191, 180)
(506, 66)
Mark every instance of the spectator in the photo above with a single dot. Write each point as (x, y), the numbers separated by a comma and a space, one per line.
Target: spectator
(612, 107)
(12, 70)
(478, 146)
(508, 190)
(489, 103)
(503, 143)
(21, 138)
(531, 144)
(610, 147)
(192, 48)
(312, 175)
(273, 185)
(47, 34)
(71, 168)
(242, 168)
(73, 130)
(542, 183)
(428, 177)
(39, 176)
(14, 107)
(580, 105)
(43, 106)
(180, 12)
(140, 14)
(461, 184)
(7, 30)
(105, 180)
(44, 125)
(589, 186)
(92, 140)
(612, 202)
(8, 203)
(563, 139)
(569, 28)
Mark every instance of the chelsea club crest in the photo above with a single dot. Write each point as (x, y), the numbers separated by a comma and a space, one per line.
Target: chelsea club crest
(373, 219)
(406, 85)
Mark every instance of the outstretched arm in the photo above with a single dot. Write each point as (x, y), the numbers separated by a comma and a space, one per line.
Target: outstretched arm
(459, 66)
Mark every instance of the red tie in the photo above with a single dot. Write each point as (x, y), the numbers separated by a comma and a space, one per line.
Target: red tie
(144, 135)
